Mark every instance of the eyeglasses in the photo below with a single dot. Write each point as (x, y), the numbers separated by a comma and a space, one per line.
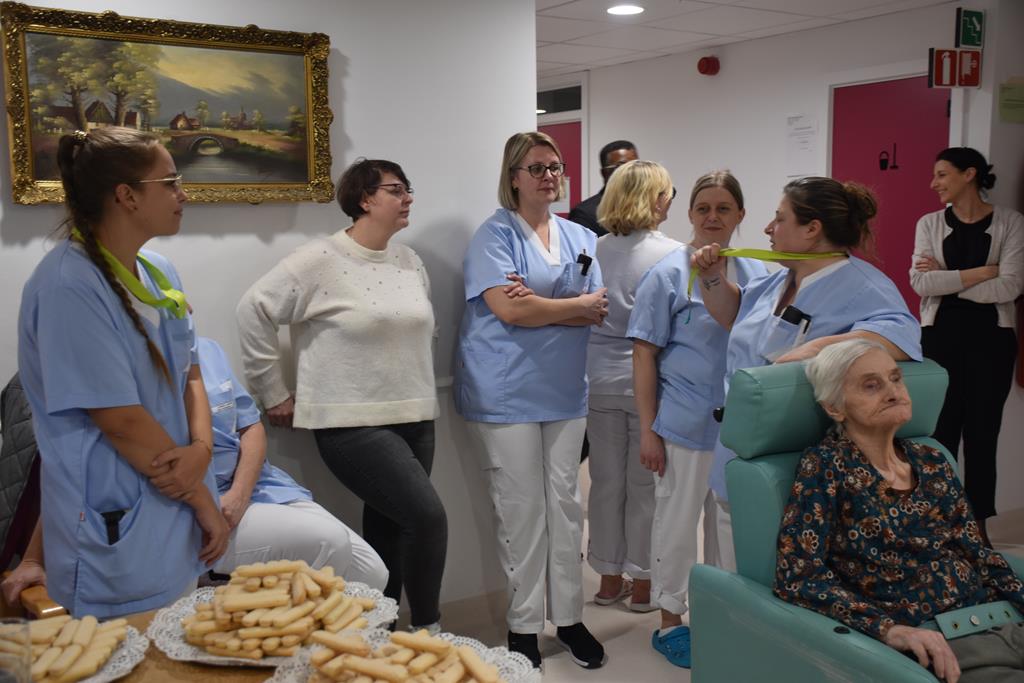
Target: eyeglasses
(537, 170)
(173, 181)
(674, 193)
(394, 189)
(612, 167)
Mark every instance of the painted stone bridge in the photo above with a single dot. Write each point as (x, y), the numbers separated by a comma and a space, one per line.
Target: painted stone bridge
(187, 142)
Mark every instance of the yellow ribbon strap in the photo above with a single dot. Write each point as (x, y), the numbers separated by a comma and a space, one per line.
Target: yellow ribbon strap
(173, 299)
(764, 255)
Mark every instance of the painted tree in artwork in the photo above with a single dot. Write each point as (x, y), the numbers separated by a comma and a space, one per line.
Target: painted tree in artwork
(148, 105)
(130, 71)
(257, 120)
(296, 121)
(66, 71)
(225, 120)
(202, 112)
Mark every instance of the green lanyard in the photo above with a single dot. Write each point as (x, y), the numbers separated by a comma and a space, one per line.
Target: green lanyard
(173, 300)
(764, 255)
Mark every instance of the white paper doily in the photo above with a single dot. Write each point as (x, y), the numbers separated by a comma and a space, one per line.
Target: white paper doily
(126, 657)
(512, 666)
(168, 634)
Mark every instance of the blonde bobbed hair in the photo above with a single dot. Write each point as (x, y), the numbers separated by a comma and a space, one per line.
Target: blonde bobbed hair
(631, 195)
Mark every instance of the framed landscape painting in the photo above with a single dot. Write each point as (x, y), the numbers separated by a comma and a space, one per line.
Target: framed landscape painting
(242, 110)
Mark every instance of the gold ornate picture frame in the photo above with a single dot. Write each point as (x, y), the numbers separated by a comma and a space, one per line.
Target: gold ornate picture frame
(243, 110)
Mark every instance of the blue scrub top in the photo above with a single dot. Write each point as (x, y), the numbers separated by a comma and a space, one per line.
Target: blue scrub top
(691, 365)
(853, 296)
(512, 374)
(78, 350)
(233, 409)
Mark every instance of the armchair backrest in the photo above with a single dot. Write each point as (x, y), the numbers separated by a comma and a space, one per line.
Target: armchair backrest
(770, 418)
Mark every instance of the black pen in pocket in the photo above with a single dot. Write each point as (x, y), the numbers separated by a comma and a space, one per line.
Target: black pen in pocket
(585, 261)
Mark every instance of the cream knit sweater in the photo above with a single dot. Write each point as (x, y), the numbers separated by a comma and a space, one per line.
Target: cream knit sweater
(361, 330)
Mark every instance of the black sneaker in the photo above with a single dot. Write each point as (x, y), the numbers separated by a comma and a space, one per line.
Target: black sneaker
(583, 647)
(525, 644)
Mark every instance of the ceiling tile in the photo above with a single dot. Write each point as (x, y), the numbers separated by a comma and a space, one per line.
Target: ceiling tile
(889, 8)
(706, 45)
(728, 21)
(640, 38)
(789, 28)
(547, 4)
(814, 8)
(577, 54)
(555, 30)
(596, 10)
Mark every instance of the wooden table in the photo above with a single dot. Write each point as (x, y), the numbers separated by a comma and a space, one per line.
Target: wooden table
(157, 668)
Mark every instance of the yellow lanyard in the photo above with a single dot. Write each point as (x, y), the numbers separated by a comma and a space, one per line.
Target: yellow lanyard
(173, 299)
(763, 255)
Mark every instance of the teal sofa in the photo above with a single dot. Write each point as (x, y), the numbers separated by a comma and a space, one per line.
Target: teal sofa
(740, 631)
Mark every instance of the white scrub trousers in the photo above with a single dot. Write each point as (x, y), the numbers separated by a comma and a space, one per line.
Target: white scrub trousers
(680, 496)
(302, 530)
(621, 505)
(533, 472)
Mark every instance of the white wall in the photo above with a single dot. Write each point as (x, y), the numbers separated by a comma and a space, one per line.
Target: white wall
(693, 123)
(431, 85)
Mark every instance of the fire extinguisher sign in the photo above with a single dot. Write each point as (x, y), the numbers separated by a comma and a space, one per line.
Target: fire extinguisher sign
(942, 68)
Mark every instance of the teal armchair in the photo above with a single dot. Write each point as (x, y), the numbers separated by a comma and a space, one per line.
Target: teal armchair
(740, 631)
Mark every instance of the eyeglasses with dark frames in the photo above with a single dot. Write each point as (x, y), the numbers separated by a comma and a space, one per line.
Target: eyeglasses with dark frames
(394, 189)
(173, 181)
(556, 169)
(673, 194)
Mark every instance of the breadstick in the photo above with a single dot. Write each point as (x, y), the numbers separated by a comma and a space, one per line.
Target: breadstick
(201, 628)
(376, 668)
(338, 610)
(244, 654)
(322, 656)
(44, 630)
(112, 624)
(42, 664)
(233, 644)
(251, 643)
(267, 568)
(345, 618)
(237, 617)
(67, 632)
(86, 665)
(345, 644)
(334, 666)
(403, 656)
(288, 641)
(298, 628)
(367, 603)
(477, 668)
(288, 616)
(421, 642)
(452, 674)
(65, 660)
(252, 618)
(325, 577)
(285, 651)
(358, 625)
(251, 601)
(328, 605)
(422, 663)
(268, 617)
(313, 589)
(253, 583)
(270, 581)
(298, 591)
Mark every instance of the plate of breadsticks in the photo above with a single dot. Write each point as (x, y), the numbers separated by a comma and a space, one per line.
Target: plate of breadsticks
(265, 614)
(66, 650)
(379, 655)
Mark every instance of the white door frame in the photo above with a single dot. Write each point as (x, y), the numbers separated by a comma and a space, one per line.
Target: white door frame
(567, 81)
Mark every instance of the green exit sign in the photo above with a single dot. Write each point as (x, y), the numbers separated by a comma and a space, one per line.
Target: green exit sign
(970, 27)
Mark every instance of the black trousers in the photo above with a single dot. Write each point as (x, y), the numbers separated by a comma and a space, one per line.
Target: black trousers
(979, 357)
(403, 518)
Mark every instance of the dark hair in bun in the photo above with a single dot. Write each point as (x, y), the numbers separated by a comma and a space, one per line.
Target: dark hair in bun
(844, 209)
(968, 157)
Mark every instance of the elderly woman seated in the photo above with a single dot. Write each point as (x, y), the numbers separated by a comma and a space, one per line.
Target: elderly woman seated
(878, 534)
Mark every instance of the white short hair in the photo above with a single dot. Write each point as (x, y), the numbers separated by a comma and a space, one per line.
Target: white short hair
(827, 371)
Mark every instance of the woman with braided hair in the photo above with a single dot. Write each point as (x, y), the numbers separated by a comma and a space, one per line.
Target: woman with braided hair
(105, 353)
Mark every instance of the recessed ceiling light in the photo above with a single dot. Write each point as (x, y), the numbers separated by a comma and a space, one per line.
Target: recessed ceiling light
(542, 111)
(625, 10)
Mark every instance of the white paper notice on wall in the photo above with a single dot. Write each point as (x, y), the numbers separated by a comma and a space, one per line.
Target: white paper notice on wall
(563, 206)
(801, 145)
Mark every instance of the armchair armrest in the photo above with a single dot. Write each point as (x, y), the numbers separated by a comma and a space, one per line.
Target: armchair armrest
(1016, 563)
(38, 604)
(739, 631)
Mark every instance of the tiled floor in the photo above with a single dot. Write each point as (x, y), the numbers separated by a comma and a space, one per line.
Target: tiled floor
(626, 635)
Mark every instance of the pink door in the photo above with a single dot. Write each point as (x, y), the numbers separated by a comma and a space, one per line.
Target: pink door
(886, 135)
(568, 135)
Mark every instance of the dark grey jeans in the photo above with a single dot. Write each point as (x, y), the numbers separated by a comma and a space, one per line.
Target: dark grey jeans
(403, 519)
(995, 656)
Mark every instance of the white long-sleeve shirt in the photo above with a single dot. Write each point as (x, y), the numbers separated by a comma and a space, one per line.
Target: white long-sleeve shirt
(361, 326)
(1006, 250)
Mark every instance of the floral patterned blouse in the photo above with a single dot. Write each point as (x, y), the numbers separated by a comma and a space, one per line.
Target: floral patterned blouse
(871, 556)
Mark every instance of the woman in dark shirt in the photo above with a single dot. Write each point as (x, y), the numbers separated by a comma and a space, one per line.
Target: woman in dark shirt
(968, 267)
(878, 534)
